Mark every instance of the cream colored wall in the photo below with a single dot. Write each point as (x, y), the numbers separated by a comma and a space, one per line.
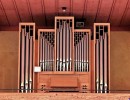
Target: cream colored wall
(120, 60)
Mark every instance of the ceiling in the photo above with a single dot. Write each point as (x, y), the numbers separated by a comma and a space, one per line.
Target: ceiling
(42, 12)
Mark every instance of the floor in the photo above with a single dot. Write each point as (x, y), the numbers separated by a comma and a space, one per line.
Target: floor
(63, 96)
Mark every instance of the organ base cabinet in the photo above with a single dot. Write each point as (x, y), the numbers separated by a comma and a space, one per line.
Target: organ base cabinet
(70, 82)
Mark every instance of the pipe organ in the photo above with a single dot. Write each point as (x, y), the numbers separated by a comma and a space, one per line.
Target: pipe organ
(68, 59)
(102, 57)
(26, 57)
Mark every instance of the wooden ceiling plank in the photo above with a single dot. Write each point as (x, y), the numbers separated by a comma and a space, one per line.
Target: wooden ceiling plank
(126, 19)
(105, 10)
(10, 11)
(44, 11)
(50, 11)
(37, 10)
(72, 8)
(91, 11)
(29, 9)
(118, 12)
(2, 7)
(57, 7)
(3, 20)
(16, 9)
(85, 9)
(85, 4)
(78, 8)
(111, 11)
(98, 9)
(125, 12)
(23, 11)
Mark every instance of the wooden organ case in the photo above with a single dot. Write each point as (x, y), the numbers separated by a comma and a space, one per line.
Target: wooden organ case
(102, 57)
(26, 57)
(64, 58)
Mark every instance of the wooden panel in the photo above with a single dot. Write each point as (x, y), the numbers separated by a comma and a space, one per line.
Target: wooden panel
(120, 61)
(63, 81)
(84, 78)
(8, 60)
(43, 78)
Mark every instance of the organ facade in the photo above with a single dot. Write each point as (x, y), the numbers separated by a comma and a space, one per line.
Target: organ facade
(69, 60)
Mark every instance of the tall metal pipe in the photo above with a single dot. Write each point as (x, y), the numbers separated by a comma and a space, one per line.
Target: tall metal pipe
(31, 64)
(22, 60)
(101, 64)
(105, 62)
(97, 65)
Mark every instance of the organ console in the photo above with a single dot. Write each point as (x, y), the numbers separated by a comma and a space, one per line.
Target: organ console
(65, 58)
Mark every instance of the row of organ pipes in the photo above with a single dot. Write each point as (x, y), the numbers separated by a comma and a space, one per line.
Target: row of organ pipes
(64, 33)
(81, 46)
(46, 50)
(26, 57)
(101, 58)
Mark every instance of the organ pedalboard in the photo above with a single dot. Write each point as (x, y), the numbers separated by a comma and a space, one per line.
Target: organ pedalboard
(64, 57)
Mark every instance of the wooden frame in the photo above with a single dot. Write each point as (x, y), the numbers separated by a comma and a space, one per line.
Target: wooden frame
(94, 42)
(33, 41)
